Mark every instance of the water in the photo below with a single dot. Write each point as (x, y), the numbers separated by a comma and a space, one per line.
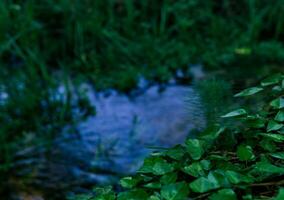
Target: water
(115, 141)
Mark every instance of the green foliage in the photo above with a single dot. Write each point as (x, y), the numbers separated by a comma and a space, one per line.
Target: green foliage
(253, 168)
(112, 42)
(33, 112)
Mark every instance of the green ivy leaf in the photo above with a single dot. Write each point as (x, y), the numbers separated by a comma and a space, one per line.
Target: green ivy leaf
(176, 191)
(280, 195)
(273, 126)
(137, 194)
(268, 168)
(247, 197)
(236, 178)
(280, 116)
(271, 80)
(154, 197)
(245, 153)
(153, 185)
(195, 169)
(274, 137)
(236, 113)
(211, 133)
(105, 193)
(224, 194)
(249, 91)
(206, 164)
(277, 103)
(268, 145)
(279, 155)
(162, 167)
(176, 152)
(156, 165)
(195, 148)
(168, 178)
(202, 185)
(218, 178)
(128, 182)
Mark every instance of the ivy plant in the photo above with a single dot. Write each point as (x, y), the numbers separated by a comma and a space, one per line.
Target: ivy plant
(252, 168)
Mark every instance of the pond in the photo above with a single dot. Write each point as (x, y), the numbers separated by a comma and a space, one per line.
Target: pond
(124, 131)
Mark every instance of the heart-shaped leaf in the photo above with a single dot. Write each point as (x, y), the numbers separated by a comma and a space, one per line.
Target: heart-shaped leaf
(176, 191)
(195, 148)
(224, 194)
(280, 195)
(128, 182)
(245, 153)
(280, 116)
(195, 169)
(202, 185)
(273, 126)
(277, 103)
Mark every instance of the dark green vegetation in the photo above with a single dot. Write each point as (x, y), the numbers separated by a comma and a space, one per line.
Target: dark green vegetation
(45, 44)
(242, 161)
(32, 114)
(112, 43)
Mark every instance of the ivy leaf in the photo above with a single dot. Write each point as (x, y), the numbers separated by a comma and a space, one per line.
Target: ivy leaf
(176, 191)
(271, 80)
(268, 168)
(280, 195)
(280, 116)
(274, 137)
(202, 185)
(218, 178)
(224, 194)
(235, 113)
(268, 145)
(211, 133)
(273, 126)
(154, 197)
(206, 164)
(128, 182)
(105, 193)
(249, 91)
(277, 103)
(279, 155)
(236, 178)
(137, 194)
(245, 153)
(156, 165)
(195, 169)
(168, 178)
(153, 185)
(176, 152)
(162, 167)
(195, 148)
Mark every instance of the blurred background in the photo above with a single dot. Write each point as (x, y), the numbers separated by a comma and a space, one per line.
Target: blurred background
(89, 87)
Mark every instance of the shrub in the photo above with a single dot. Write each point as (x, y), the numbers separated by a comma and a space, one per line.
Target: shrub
(252, 167)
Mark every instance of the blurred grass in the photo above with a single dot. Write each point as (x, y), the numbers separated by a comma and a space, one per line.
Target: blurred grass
(112, 43)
